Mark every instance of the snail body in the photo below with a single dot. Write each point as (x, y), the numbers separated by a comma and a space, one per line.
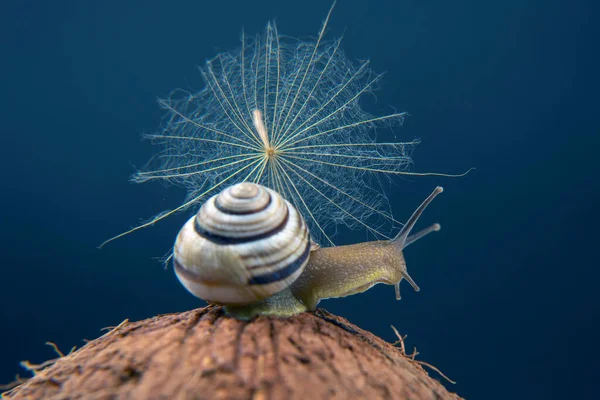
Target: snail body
(249, 249)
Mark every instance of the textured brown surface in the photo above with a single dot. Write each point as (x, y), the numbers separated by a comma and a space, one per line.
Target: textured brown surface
(204, 354)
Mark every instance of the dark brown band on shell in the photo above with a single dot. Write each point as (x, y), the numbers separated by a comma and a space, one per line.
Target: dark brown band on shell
(226, 210)
(219, 239)
(188, 275)
(282, 273)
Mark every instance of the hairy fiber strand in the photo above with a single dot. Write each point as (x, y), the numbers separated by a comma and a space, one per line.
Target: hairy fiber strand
(285, 113)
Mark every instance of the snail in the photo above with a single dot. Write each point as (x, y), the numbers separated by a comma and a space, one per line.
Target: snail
(249, 249)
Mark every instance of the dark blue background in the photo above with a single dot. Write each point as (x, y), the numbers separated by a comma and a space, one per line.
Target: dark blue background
(508, 305)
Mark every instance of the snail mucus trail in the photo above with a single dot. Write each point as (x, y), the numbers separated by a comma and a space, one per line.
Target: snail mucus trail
(249, 249)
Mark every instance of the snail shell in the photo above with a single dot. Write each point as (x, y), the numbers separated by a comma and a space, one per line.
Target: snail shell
(244, 245)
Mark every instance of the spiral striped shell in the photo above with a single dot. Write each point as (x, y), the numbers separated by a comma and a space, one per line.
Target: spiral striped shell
(244, 244)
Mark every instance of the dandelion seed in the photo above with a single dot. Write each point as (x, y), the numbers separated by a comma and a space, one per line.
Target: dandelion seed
(284, 113)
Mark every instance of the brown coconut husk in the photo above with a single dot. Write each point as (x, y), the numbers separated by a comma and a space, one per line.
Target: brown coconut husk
(206, 354)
